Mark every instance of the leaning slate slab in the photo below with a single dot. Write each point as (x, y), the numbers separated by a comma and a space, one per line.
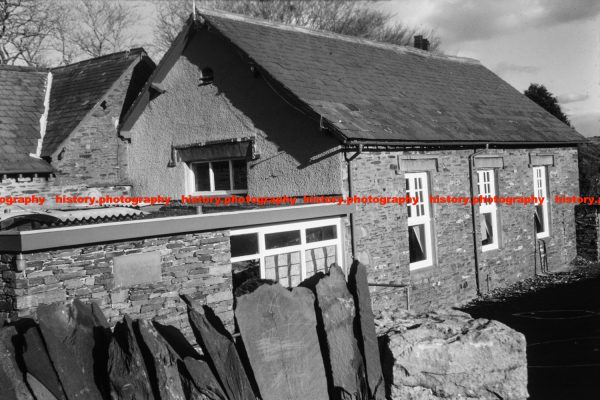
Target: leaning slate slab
(367, 342)
(38, 365)
(40, 391)
(126, 368)
(12, 385)
(200, 381)
(164, 362)
(337, 311)
(279, 328)
(68, 331)
(223, 356)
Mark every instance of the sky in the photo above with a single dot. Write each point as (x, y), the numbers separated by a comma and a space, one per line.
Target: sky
(551, 42)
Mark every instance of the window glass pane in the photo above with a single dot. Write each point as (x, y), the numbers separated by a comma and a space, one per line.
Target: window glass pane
(201, 176)
(281, 239)
(243, 245)
(417, 243)
(487, 229)
(540, 224)
(243, 271)
(320, 259)
(321, 233)
(240, 174)
(284, 268)
(221, 175)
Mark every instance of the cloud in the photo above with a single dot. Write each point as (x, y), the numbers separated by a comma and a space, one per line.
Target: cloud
(463, 20)
(572, 97)
(503, 68)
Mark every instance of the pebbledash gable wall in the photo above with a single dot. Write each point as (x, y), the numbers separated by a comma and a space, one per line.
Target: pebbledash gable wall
(382, 239)
(193, 264)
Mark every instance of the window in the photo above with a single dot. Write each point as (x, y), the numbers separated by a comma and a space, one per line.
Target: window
(419, 221)
(540, 189)
(488, 212)
(219, 177)
(287, 253)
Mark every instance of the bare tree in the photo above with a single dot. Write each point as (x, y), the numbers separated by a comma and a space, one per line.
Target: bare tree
(339, 16)
(98, 27)
(26, 27)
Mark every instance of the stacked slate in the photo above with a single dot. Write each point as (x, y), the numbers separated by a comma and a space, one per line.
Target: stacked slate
(307, 343)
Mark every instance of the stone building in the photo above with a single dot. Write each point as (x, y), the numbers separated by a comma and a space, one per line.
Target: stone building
(58, 126)
(243, 106)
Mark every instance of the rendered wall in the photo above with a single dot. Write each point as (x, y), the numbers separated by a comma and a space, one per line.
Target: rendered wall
(195, 264)
(382, 238)
(238, 104)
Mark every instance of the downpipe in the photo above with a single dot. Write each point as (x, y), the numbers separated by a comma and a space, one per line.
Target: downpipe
(474, 218)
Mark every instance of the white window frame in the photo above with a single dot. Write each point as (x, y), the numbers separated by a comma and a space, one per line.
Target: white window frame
(540, 189)
(302, 247)
(420, 214)
(191, 178)
(486, 184)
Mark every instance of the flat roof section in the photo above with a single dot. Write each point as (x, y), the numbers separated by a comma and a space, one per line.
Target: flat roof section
(29, 241)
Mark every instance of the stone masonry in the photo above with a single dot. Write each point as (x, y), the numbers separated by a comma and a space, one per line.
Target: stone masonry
(194, 264)
(382, 242)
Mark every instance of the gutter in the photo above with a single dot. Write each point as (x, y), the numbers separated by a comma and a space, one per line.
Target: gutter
(474, 218)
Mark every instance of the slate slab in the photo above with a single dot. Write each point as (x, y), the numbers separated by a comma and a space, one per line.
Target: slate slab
(68, 331)
(279, 328)
(367, 338)
(337, 311)
(200, 382)
(12, 384)
(126, 369)
(38, 389)
(38, 365)
(223, 356)
(164, 372)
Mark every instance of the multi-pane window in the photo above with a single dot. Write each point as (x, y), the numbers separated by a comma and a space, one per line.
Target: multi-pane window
(540, 189)
(286, 253)
(488, 212)
(419, 221)
(220, 177)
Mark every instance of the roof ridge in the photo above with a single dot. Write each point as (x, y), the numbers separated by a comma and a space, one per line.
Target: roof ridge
(321, 33)
(23, 68)
(126, 52)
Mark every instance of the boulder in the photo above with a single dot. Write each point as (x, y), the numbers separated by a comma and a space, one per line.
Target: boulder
(220, 350)
(126, 369)
(366, 335)
(69, 333)
(279, 328)
(164, 372)
(38, 365)
(12, 383)
(337, 310)
(449, 355)
(200, 382)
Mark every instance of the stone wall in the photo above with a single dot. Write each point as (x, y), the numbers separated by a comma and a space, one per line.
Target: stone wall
(195, 264)
(49, 187)
(588, 227)
(382, 239)
(93, 154)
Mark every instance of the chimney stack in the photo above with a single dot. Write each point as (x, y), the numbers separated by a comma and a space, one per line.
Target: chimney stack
(421, 43)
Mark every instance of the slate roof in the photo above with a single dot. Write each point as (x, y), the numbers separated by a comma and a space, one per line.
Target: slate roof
(22, 91)
(373, 92)
(77, 88)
